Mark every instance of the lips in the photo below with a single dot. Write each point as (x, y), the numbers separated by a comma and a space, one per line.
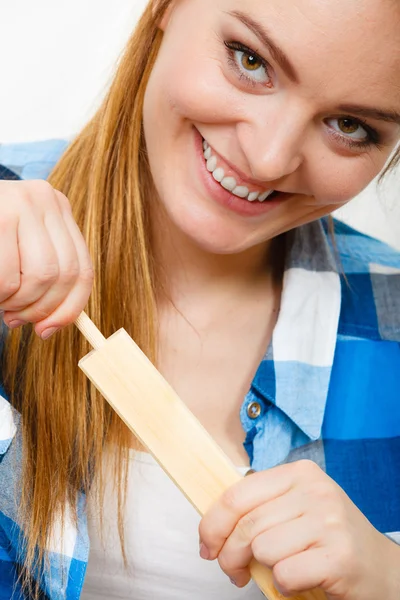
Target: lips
(243, 206)
(229, 180)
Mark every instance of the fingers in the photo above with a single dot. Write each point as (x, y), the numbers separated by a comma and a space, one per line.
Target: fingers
(62, 303)
(304, 571)
(311, 535)
(285, 540)
(9, 259)
(240, 500)
(277, 548)
(251, 530)
(38, 263)
(84, 259)
(46, 276)
(74, 303)
(269, 549)
(266, 516)
(69, 309)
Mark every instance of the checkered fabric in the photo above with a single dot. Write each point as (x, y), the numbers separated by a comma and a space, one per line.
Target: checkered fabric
(328, 388)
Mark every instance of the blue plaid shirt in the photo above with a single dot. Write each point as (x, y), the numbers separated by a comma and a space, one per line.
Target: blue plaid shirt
(328, 388)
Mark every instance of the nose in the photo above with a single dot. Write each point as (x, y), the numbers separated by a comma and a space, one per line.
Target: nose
(274, 146)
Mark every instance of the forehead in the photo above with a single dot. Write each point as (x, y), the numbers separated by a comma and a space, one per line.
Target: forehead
(342, 43)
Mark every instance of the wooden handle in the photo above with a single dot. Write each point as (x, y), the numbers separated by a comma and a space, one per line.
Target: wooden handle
(165, 426)
(89, 330)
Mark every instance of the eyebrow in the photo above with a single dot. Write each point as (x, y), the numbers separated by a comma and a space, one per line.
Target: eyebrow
(277, 53)
(391, 116)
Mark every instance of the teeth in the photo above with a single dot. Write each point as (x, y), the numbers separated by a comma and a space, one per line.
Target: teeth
(211, 164)
(207, 153)
(253, 196)
(265, 195)
(229, 183)
(241, 191)
(218, 174)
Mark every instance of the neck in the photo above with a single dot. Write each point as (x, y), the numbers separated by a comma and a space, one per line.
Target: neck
(185, 269)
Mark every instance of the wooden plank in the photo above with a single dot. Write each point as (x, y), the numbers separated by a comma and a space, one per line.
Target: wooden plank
(164, 425)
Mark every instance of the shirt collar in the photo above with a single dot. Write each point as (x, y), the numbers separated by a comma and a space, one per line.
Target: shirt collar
(8, 426)
(304, 339)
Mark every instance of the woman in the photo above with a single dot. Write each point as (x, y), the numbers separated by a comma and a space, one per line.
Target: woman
(228, 133)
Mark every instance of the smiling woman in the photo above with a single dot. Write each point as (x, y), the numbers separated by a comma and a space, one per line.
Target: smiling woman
(202, 189)
(256, 81)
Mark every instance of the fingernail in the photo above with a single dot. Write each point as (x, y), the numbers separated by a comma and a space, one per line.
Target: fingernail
(204, 551)
(233, 582)
(15, 323)
(48, 333)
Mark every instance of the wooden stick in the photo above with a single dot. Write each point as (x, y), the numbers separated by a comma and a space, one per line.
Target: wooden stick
(164, 425)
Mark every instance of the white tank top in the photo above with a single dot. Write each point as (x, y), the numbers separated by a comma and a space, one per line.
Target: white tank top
(161, 536)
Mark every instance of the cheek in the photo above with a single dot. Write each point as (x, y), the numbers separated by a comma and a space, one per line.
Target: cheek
(338, 180)
(190, 86)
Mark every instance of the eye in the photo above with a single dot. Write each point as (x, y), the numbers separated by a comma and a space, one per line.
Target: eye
(251, 63)
(248, 64)
(350, 128)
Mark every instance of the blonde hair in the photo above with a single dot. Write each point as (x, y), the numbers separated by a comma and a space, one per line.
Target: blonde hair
(65, 422)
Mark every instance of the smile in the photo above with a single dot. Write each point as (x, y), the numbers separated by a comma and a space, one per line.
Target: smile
(222, 175)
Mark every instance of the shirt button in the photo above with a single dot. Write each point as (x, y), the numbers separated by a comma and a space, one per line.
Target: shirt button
(254, 410)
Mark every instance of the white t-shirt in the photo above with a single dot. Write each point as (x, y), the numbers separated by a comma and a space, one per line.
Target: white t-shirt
(161, 536)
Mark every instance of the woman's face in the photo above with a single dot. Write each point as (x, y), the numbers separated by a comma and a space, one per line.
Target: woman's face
(296, 103)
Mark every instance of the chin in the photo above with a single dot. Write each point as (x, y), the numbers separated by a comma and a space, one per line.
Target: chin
(211, 233)
(218, 245)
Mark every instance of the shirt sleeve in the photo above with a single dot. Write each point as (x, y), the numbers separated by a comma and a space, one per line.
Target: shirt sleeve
(9, 586)
(34, 160)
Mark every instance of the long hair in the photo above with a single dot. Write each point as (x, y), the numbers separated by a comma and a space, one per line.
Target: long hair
(65, 422)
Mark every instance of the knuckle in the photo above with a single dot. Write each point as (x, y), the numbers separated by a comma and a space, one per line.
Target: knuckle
(48, 273)
(334, 519)
(323, 489)
(11, 188)
(63, 200)
(9, 288)
(203, 530)
(67, 316)
(38, 313)
(308, 468)
(40, 187)
(263, 552)
(206, 531)
(245, 528)
(70, 273)
(230, 500)
(283, 579)
(225, 562)
(87, 275)
(40, 194)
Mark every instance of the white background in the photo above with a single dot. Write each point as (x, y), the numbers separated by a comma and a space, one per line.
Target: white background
(57, 58)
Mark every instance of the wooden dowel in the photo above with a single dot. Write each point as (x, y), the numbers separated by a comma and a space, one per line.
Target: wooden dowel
(89, 330)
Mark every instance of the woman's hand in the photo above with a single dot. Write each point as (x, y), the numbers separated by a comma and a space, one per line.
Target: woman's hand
(46, 272)
(300, 523)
